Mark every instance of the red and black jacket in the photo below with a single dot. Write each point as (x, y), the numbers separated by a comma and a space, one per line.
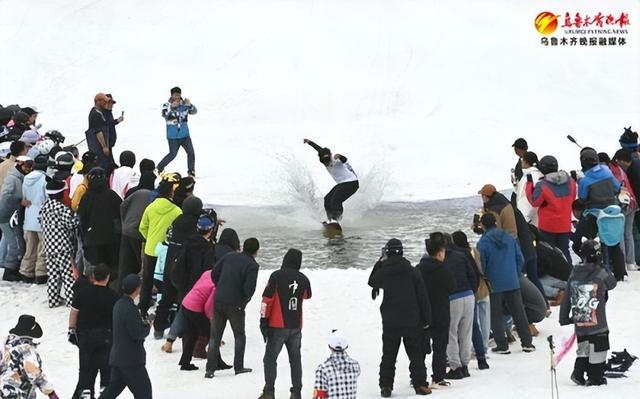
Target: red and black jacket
(286, 290)
(553, 196)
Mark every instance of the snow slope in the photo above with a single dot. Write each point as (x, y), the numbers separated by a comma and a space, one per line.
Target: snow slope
(431, 93)
(341, 300)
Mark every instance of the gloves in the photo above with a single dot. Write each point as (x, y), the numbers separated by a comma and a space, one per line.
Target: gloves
(374, 293)
(426, 339)
(72, 337)
(53, 395)
(529, 178)
(264, 328)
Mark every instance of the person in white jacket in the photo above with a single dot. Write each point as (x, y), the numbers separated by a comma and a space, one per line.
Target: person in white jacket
(529, 167)
(125, 177)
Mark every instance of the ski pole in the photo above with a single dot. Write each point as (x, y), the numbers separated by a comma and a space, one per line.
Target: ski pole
(555, 393)
(571, 139)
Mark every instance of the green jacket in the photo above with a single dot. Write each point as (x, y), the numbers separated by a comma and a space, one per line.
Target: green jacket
(156, 220)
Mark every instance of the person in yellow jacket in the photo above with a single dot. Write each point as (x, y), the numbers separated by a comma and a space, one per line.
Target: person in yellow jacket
(156, 220)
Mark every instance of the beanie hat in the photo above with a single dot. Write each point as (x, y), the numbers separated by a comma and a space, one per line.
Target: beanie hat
(127, 158)
(629, 139)
(337, 341)
(548, 164)
(588, 158)
(55, 187)
(30, 137)
(130, 283)
(64, 161)
(393, 247)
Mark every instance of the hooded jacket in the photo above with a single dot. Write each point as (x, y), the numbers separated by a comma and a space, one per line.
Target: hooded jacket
(228, 242)
(147, 182)
(11, 194)
(502, 260)
(200, 297)
(194, 257)
(156, 219)
(505, 215)
(440, 283)
(463, 269)
(584, 303)
(598, 188)
(235, 277)
(21, 369)
(182, 228)
(34, 189)
(131, 211)
(529, 212)
(553, 197)
(405, 304)
(99, 214)
(285, 292)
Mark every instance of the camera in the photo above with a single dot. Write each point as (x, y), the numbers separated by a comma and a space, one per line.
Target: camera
(477, 227)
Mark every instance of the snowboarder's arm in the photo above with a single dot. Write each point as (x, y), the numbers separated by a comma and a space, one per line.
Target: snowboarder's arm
(312, 144)
(340, 157)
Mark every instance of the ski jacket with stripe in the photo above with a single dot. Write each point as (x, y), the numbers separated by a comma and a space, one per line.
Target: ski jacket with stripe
(553, 197)
(285, 292)
(177, 119)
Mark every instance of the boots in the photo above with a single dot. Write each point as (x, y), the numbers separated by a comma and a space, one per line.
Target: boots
(579, 368)
(200, 350)
(595, 372)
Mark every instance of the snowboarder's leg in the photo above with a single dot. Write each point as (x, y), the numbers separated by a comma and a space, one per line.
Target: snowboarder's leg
(174, 146)
(342, 193)
(328, 203)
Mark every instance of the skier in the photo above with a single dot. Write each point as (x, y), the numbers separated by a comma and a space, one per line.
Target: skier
(176, 112)
(586, 301)
(345, 177)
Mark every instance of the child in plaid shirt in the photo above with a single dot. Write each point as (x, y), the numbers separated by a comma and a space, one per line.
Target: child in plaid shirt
(337, 377)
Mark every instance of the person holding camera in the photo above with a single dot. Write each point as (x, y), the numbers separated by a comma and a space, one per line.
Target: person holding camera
(97, 134)
(128, 357)
(176, 114)
(406, 313)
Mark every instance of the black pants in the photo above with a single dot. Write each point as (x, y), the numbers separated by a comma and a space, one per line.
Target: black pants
(276, 339)
(235, 315)
(147, 283)
(135, 378)
(339, 194)
(512, 300)
(412, 339)
(560, 241)
(440, 341)
(104, 253)
(93, 349)
(614, 258)
(130, 256)
(197, 326)
(170, 294)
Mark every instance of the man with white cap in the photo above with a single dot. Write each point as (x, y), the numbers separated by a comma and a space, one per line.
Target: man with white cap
(337, 377)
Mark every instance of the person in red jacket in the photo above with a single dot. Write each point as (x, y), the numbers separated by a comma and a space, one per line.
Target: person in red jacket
(281, 321)
(553, 195)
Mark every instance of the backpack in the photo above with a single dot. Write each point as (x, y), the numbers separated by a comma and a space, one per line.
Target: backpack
(610, 222)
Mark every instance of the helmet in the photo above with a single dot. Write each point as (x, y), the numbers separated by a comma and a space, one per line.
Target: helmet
(548, 164)
(55, 135)
(97, 174)
(588, 158)
(64, 160)
(45, 146)
(171, 177)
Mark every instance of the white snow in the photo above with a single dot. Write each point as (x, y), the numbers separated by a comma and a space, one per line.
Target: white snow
(341, 299)
(433, 91)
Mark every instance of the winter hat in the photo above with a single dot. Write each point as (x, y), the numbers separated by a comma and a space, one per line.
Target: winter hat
(130, 283)
(337, 341)
(127, 158)
(488, 190)
(27, 327)
(460, 239)
(55, 136)
(41, 162)
(205, 223)
(324, 154)
(147, 180)
(531, 158)
(520, 144)
(30, 137)
(21, 117)
(176, 90)
(55, 187)
(588, 158)
(64, 161)
(393, 247)
(23, 158)
(186, 184)
(548, 164)
(192, 206)
(111, 100)
(292, 259)
(629, 139)
(97, 175)
(147, 165)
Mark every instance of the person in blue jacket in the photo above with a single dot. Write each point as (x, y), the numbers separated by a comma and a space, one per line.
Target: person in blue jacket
(176, 113)
(502, 262)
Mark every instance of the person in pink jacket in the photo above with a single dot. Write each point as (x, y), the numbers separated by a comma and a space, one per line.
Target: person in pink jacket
(197, 306)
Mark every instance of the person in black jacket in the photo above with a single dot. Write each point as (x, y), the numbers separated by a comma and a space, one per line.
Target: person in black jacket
(183, 226)
(281, 321)
(440, 283)
(461, 305)
(406, 312)
(235, 277)
(128, 358)
(99, 214)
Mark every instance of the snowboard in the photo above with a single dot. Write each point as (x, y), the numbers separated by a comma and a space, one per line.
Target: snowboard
(332, 227)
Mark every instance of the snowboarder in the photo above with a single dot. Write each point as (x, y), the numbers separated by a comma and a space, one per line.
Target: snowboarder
(345, 177)
(176, 112)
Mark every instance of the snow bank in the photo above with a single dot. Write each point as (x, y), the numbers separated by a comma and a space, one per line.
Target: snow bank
(434, 91)
(341, 300)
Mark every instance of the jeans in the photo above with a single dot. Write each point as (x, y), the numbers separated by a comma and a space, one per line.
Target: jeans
(11, 246)
(174, 146)
(477, 338)
(412, 338)
(235, 315)
(93, 348)
(512, 300)
(560, 241)
(483, 307)
(276, 339)
(339, 194)
(135, 378)
(628, 248)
